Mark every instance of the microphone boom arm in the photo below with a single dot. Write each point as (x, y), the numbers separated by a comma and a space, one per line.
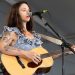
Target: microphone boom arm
(64, 43)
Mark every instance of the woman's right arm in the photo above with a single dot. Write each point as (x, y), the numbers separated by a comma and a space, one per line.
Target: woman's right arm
(7, 48)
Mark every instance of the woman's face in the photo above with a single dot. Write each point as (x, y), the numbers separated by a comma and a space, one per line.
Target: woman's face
(24, 12)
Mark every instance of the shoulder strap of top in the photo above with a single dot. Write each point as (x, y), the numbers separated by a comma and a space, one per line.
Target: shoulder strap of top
(11, 29)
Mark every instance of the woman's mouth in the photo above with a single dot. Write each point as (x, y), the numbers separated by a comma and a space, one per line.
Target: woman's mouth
(27, 16)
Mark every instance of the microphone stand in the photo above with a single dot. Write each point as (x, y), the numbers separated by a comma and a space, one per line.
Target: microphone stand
(63, 45)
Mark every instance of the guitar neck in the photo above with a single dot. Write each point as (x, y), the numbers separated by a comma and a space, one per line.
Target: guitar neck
(56, 54)
(51, 39)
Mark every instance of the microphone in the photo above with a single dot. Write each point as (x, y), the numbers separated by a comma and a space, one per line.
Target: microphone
(37, 13)
(40, 12)
(30, 14)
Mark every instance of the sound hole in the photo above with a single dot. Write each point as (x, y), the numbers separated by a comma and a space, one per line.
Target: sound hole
(33, 65)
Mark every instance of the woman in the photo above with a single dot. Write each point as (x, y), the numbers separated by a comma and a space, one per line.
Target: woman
(18, 37)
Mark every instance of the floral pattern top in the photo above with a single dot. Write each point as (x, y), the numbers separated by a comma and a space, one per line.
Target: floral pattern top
(23, 42)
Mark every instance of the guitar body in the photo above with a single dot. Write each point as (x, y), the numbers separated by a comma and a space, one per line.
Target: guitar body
(14, 68)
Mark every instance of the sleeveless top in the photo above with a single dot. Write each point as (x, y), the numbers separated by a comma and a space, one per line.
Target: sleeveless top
(23, 42)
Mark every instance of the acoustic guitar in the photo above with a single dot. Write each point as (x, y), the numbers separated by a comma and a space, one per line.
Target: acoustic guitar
(20, 66)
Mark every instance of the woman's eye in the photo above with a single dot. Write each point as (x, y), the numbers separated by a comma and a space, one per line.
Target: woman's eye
(23, 10)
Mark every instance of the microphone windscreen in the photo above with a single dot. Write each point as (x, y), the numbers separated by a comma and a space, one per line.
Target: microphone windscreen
(30, 13)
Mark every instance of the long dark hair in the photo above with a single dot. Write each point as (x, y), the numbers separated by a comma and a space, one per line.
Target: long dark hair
(15, 20)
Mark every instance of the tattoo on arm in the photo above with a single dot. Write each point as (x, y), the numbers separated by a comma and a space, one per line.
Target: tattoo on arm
(10, 48)
(5, 35)
(7, 38)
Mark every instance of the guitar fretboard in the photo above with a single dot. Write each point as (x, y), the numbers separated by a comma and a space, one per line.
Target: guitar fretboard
(55, 54)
